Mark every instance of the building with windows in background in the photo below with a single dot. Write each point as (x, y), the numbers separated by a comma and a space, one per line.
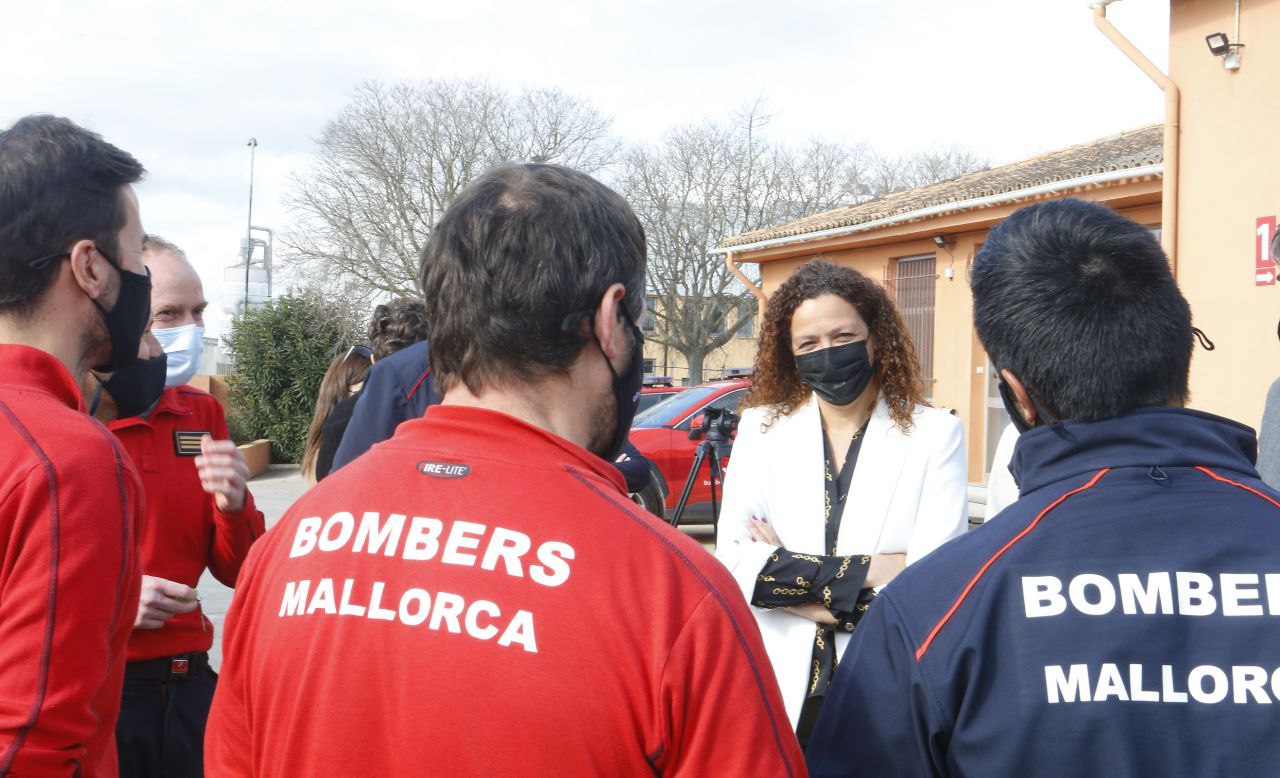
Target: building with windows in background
(919, 244)
(738, 352)
(1206, 180)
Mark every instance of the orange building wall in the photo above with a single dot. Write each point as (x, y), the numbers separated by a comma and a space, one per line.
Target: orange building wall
(1230, 177)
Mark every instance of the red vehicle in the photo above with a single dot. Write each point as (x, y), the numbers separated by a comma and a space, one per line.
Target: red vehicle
(656, 390)
(662, 435)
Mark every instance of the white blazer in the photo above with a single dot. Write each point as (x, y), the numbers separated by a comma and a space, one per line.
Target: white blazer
(908, 495)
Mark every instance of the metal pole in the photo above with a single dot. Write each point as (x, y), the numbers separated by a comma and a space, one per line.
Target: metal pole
(248, 247)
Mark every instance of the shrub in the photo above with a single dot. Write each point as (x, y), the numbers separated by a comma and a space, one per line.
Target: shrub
(280, 353)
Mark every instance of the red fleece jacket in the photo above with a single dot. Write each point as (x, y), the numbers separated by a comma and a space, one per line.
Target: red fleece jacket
(476, 596)
(185, 531)
(70, 509)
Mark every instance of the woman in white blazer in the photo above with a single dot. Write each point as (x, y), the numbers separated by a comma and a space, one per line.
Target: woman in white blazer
(840, 474)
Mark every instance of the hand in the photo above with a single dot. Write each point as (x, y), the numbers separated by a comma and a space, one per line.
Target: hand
(223, 473)
(884, 568)
(161, 600)
(763, 531)
(813, 611)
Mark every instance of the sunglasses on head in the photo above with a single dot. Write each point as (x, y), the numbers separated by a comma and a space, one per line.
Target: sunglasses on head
(360, 349)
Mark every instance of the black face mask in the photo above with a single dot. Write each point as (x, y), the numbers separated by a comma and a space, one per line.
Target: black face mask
(135, 387)
(1011, 406)
(127, 319)
(626, 392)
(838, 374)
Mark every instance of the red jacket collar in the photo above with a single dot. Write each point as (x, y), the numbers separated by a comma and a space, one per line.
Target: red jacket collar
(499, 433)
(30, 368)
(172, 400)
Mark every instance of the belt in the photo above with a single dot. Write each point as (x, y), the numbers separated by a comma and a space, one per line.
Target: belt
(177, 667)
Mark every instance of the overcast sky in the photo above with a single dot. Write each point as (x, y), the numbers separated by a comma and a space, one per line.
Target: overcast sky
(183, 85)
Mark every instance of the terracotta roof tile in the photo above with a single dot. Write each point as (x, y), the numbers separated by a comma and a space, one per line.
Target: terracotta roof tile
(1133, 149)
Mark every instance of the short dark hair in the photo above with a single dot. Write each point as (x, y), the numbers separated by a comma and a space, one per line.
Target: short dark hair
(59, 183)
(521, 253)
(1080, 304)
(399, 323)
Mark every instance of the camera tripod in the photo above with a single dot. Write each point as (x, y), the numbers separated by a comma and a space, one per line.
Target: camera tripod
(715, 430)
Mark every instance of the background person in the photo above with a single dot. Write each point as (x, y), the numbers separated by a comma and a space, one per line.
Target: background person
(1118, 619)
(1002, 490)
(542, 624)
(74, 294)
(399, 385)
(335, 400)
(200, 515)
(840, 473)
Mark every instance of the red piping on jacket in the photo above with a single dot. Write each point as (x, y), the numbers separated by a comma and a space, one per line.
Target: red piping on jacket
(983, 570)
(415, 386)
(1226, 480)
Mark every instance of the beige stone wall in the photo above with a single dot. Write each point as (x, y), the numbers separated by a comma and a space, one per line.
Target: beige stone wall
(738, 352)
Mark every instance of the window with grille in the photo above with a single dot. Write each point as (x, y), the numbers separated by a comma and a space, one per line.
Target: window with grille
(912, 284)
(747, 313)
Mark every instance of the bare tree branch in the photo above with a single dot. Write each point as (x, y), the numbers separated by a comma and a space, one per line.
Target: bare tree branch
(395, 157)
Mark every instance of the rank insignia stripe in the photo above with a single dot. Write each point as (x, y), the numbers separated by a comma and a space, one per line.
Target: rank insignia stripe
(186, 443)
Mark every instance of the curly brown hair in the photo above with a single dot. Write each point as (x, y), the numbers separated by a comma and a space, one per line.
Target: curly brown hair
(776, 381)
(396, 325)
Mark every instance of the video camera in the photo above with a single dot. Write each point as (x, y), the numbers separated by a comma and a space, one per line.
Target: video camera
(718, 424)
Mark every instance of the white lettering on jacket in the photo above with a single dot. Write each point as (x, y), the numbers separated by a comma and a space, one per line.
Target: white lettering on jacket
(1204, 684)
(424, 539)
(478, 619)
(1181, 593)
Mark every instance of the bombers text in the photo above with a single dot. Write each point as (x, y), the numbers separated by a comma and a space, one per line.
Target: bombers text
(424, 539)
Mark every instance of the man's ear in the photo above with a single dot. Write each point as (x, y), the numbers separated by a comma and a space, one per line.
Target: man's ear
(1026, 408)
(608, 326)
(90, 269)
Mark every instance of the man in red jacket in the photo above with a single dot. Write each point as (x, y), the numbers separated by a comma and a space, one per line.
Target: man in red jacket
(73, 295)
(476, 595)
(200, 515)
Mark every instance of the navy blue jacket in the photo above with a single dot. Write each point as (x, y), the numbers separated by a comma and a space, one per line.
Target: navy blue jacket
(1121, 619)
(398, 388)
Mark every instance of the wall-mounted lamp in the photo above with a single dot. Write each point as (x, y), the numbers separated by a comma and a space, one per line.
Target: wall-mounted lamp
(944, 243)
(1221, 46)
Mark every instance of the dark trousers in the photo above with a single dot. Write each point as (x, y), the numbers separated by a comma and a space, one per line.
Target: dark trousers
(160, 733)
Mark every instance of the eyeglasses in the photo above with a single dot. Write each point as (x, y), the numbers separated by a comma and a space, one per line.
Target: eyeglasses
(360, 349)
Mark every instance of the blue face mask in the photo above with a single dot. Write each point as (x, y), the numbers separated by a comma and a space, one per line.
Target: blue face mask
(183, 346)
